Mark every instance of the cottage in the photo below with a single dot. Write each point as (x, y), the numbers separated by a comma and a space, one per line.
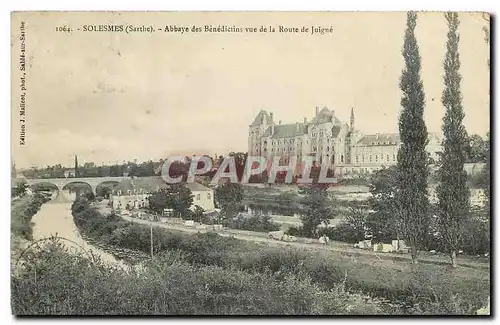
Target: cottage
(202, 196)
(133, 193)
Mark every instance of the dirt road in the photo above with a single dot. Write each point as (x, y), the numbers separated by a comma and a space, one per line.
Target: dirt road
(334, 247)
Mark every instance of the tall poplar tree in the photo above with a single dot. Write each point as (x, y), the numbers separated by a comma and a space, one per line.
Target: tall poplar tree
(411, 196)
(453, 192)
(77, 172)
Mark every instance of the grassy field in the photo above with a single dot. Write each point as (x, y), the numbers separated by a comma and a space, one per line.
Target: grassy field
(416, 289)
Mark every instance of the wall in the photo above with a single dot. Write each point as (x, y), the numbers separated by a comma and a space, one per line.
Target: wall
(206, 200)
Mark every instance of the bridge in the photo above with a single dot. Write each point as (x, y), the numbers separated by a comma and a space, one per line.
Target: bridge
(61, 183)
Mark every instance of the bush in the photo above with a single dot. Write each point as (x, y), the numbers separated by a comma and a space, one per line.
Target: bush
(343, 232)
(169, 286)
(255, 222)
(295, 231)
(23, 212)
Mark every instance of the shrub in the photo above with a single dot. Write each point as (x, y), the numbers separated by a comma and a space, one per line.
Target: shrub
(344, 232)
(23, 212)
(168, 286)
(296, 231)
(255, 222)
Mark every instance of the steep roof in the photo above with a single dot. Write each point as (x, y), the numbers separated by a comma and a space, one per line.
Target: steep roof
(197, 187)
(146, 184)
(379, 139)
(152, 184)
(286, 130)
(261, 117)
(324, 116)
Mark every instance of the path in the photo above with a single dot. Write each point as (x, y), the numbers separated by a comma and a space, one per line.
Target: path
(340, 248)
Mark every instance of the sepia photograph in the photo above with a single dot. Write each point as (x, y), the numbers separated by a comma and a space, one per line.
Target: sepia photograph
(250, 163)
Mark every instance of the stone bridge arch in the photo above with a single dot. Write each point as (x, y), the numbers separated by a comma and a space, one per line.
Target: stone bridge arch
(78, 185)
(61, 183)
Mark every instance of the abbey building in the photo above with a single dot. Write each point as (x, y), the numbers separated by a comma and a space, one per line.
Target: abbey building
(330, 141)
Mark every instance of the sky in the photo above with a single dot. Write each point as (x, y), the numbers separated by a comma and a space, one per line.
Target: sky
(110, 97)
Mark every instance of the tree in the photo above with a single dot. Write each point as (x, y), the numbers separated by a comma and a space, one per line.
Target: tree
(412, 197)
(198, 213)
(476, 149)
(77, 172)
(177, 197)
(453, 192)
(356, 220)
(89, 196)
(229, 196)
(20, 189)
(158, 201)
(316, 209)
(105, 191)
(383, 221)
(486, 175)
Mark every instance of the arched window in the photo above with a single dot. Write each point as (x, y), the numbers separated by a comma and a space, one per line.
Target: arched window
(198, 197)
(209, 196)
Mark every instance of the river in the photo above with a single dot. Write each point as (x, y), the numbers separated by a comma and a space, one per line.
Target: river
(54, 219)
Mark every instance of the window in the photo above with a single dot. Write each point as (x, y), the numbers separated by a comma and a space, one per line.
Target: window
(363, 158)
(370, 158)
(198, 197)
(357, 159)
(387, 157)
(341, 158)
(209, 196)
(393, 157)
(376, 157)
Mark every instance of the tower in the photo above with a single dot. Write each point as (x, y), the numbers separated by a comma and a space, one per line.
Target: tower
(77, 174)
(257, 130)
(351, 125)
